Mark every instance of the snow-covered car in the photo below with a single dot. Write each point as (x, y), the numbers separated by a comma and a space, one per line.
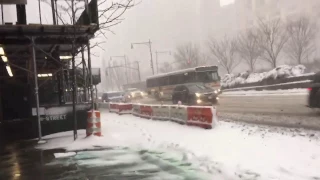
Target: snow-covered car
(195, 94)
(314, 92)
(112, 96)
(133, 93)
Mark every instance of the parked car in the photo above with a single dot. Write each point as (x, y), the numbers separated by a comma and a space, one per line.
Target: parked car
(133, 93)
(112, 96)
(314, 92)
(195, 94)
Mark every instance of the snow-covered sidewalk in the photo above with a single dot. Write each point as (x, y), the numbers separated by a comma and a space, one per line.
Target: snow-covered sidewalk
(229, 151)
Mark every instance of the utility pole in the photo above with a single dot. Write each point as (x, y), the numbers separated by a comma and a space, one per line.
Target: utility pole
(151, 57)
(150, 48)
(139, 74)
(160, 52)
(109, 73)
(125, 65)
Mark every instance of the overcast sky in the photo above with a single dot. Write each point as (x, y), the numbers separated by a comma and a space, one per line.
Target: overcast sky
(226, 2)
(167, 23)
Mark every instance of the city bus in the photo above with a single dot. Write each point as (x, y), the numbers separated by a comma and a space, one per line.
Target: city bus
(161, 86)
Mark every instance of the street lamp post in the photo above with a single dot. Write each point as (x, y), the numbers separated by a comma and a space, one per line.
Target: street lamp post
(160, 52)
(150, 48)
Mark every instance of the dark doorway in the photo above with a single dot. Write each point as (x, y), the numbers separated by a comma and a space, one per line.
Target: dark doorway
(14, 100)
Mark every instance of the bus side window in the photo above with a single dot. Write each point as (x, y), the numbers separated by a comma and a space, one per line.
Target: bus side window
(157, 82)
(153, 82)
(163, 81)
(180, 79)
(190, 77)
(170, 80)
(160, 81)
(148, 83)
(166, 81)
(174, 79)
(185, 78)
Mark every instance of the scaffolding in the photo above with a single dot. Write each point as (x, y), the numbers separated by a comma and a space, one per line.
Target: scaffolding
(37, 51)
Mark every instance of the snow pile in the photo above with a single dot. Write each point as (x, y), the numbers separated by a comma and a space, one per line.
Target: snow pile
(298, 70)
(227, 79)
(255, 77)
(229, 151)
(281, 72)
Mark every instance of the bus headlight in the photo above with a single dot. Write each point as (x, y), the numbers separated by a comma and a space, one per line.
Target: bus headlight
(198, 94)
(199, 101)
(215, 91)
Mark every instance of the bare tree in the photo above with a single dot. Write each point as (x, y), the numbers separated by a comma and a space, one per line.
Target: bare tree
(248, 48)
(272, 38)
(110, 14)
(166, 67)
(204, 59)
(188, 55)
(225, 52)
(302, 33)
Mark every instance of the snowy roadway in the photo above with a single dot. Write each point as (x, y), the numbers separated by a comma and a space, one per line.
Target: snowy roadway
(284, 102)
(230, 151)
(281, 108)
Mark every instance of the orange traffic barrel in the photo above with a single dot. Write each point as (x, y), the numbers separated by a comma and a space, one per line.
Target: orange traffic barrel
(93, 123)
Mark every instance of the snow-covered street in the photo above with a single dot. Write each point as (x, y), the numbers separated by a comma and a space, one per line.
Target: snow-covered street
(228, 151)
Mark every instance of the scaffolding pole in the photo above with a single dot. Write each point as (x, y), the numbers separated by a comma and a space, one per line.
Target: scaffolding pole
(84, 75)
(53, 12)
(36, 88)
(2, 14)
(74, 80)
(74, 98)
(39, 4)
(90, 76)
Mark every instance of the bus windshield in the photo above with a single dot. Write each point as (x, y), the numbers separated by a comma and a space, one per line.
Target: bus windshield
(207, 76)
